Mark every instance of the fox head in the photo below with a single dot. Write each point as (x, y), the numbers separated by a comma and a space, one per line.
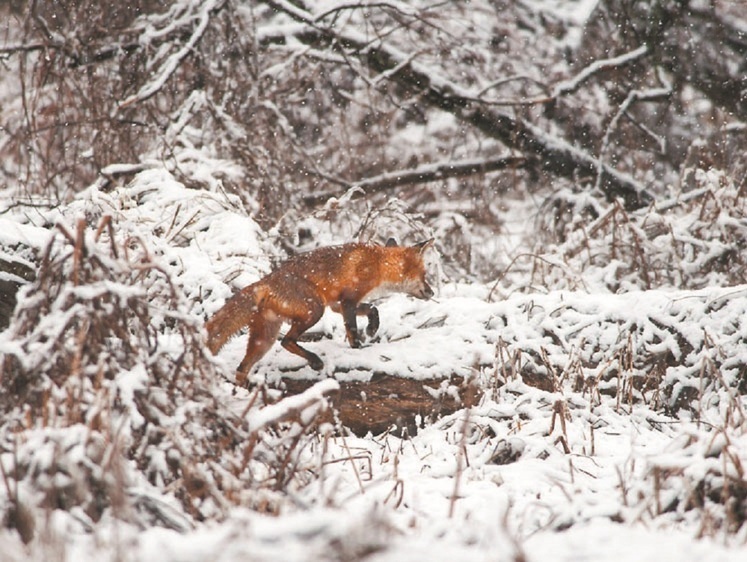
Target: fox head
(412, 273)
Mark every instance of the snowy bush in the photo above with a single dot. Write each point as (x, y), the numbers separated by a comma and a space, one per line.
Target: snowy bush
(108, 389)
(692, 240)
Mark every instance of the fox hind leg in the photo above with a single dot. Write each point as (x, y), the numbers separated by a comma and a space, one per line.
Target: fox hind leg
(263, 332)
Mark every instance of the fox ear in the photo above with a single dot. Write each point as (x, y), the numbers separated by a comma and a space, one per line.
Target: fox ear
(424, 245)
(391, 243)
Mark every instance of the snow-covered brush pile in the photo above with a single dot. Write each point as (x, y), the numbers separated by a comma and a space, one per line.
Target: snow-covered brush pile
(677, 356)
(700, 472)
(96, 310)
(695, 239)
(679, 352)
(110, 401)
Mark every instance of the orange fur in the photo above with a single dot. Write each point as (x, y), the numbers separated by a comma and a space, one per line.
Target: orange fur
(340, 277)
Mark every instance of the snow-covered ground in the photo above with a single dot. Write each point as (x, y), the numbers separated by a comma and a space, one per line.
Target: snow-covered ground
(632, 447)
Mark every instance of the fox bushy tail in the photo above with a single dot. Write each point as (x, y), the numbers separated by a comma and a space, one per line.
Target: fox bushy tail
(231, 317)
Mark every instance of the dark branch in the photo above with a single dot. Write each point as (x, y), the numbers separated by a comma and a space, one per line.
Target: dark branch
(26, 48)
(555, 155)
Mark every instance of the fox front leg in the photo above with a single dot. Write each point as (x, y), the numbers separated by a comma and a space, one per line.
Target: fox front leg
(370, 311)
(350, 312)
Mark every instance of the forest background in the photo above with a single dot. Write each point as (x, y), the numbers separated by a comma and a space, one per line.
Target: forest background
(581, 165)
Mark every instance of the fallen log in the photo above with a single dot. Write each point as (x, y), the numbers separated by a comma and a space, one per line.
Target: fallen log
(390, 403)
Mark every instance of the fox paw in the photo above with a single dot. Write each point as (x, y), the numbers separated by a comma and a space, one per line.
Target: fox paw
(316, 363)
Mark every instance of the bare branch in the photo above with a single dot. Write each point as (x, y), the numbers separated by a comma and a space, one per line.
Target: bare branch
(632, 97)
(423, 174)
(509, 79)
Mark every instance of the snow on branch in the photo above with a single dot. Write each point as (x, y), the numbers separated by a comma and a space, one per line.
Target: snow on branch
(571, 85)
(172, 63)
(562, 88)
(304, 406)
(400, 7)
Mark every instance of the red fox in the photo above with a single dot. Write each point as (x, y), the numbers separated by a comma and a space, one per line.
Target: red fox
(340, 277)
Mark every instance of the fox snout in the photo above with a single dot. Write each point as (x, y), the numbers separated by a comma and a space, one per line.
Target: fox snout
(425, 292)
